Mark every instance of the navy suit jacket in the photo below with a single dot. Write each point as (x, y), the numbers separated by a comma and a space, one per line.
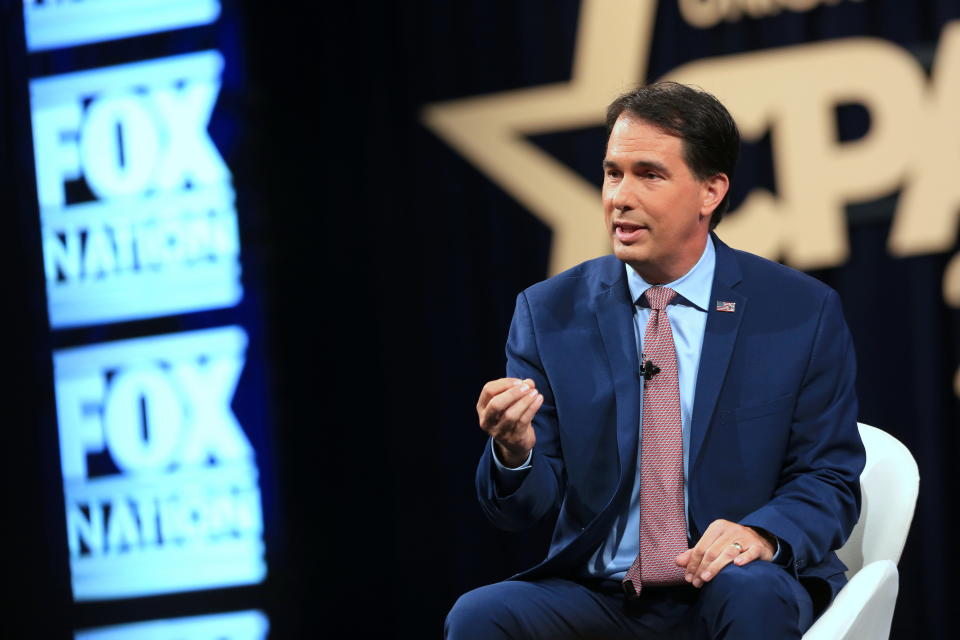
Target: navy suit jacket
(773, 438)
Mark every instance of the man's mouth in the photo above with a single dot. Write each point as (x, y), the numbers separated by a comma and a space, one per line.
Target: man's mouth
(627, 232)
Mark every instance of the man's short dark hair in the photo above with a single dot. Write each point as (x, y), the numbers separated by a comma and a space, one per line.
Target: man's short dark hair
(711, 140)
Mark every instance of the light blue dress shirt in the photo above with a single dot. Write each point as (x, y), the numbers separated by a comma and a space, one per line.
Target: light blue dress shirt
(688, 320)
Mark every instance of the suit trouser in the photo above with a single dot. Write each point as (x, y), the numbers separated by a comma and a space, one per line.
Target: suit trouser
(758, 600)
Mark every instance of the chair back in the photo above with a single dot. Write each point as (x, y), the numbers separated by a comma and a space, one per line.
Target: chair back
(888, 485)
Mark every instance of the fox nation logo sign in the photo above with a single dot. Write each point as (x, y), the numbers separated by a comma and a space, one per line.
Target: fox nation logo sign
(236, 625)
(160, 481)
(136, 203)
(62, 23)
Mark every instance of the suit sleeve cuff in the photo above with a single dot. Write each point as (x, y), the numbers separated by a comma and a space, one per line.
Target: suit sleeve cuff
(781, 550)
(508, 479)
(502, 467)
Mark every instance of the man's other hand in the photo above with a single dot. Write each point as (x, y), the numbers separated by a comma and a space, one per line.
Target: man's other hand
(718, 547)
(506, 408)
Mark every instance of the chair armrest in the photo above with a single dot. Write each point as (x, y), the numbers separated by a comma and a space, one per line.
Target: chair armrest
(863, 608)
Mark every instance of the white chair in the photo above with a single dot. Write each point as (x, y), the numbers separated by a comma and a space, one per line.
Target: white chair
(864, 607)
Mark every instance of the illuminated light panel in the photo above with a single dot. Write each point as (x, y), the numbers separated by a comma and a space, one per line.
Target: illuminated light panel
(159, 235)
(160, 480)
(239, 625)
(65, 23)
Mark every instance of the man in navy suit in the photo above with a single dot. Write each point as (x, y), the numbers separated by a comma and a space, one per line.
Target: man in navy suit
(764, 408)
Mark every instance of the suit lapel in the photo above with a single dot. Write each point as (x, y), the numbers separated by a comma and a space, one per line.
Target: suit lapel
(614, 311)
(719, 340)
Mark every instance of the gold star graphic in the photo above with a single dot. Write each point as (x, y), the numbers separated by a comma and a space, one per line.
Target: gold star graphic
(612, 46)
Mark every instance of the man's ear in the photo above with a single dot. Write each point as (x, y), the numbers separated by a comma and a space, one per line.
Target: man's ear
(713, 191)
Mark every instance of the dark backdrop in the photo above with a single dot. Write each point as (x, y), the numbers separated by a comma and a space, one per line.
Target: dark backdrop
(390, 266)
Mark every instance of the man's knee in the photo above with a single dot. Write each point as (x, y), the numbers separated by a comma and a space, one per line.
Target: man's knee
(758, 592)
(479, 613)
(758, 579)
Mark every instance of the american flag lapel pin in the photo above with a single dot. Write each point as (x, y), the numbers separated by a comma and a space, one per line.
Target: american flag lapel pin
(729, 307)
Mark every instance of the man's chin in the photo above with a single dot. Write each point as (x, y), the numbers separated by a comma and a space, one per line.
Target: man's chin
(630, 254)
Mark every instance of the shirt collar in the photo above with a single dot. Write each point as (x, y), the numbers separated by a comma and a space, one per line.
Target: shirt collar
(693, 287)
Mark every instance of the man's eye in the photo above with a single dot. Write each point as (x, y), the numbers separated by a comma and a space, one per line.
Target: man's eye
(650, 175)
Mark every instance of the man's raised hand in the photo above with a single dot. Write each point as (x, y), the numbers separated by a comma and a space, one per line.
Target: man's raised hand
(506, 408)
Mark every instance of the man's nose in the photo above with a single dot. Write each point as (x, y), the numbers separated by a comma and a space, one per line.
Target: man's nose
(625, 197)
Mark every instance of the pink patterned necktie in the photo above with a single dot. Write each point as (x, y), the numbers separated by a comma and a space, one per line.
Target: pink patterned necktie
(662, 524)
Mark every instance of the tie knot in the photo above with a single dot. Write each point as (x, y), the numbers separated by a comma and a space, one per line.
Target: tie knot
(659, 297)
